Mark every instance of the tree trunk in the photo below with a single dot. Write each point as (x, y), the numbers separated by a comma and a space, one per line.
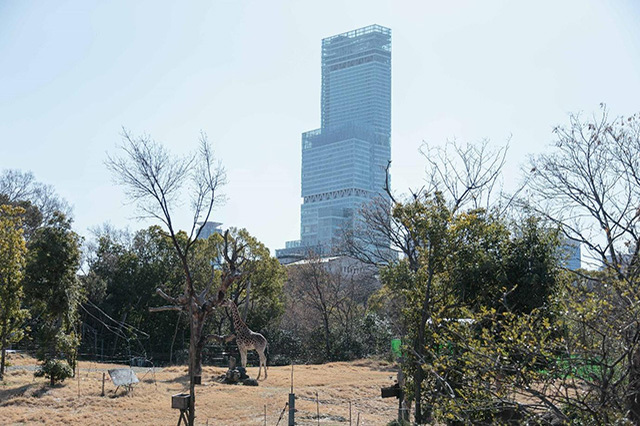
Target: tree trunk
(417, 380)
(2, 358)
(193, 344)
(202, 340)
(3, 348)
(633, 391)
(196, 344)
(419, 346)
(173, 341)
(327, 340)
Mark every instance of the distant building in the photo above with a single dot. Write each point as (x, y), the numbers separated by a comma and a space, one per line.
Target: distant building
(209, 229)
(340, 264)
(572, 255)
(344, 162)
(347, 270)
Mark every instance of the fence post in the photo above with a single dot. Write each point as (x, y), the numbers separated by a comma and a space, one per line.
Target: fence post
(292, 403)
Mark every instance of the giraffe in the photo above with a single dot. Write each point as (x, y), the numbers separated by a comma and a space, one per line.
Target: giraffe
(247, 339)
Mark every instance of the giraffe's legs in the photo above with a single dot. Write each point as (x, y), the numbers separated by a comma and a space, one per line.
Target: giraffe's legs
(243, 356)
(263, 364)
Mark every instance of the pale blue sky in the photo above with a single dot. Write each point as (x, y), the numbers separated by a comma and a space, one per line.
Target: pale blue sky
(248, 74)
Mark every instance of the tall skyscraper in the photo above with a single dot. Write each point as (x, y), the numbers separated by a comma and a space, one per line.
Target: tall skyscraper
(344, 162)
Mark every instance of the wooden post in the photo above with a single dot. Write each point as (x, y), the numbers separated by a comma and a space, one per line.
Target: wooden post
(317, 408)
(103, 377)
(349, 413)
(265, 414)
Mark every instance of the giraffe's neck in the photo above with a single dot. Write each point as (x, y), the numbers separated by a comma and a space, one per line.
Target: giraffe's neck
(239, 325)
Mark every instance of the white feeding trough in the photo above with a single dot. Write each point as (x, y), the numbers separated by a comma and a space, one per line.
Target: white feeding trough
(124, 377)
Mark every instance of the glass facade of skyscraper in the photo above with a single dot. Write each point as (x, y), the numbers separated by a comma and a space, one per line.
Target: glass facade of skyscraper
(344, 162)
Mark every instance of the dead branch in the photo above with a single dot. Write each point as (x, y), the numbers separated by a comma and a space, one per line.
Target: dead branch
(166, 297)
(165, 308)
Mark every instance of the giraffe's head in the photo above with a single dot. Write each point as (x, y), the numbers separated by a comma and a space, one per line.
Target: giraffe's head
(227, 303)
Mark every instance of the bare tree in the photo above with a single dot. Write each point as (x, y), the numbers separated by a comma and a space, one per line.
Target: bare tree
(332, 292)
(313, 285)
(468, 176)
(590, 187)
(154, 180)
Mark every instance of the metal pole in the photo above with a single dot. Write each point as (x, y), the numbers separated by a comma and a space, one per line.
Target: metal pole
(292, 409)
(292, 403)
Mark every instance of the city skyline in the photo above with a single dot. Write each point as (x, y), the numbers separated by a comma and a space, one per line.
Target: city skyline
(247, 74)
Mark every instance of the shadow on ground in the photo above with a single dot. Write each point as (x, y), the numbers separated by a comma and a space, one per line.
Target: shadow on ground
(34, 390)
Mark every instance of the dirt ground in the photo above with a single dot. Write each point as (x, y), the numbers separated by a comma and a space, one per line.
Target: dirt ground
(25, 400)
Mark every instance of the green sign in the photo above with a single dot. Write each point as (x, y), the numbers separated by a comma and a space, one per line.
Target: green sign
(395, 347)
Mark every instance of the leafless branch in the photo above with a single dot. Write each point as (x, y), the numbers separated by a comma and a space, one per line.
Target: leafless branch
(165, 308)
(166, 297)
(466, 174)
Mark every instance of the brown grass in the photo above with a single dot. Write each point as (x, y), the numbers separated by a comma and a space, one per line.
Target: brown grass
(25, 400)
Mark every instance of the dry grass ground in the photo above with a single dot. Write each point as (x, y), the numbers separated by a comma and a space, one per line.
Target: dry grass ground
(25, 400)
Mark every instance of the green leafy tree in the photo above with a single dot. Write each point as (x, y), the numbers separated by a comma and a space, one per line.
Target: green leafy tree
(53, 289)
(532, 263)
(257, 290)
(12, 261)
(459, 177)
(56, 370)
(427, 220)
(479, 245)
(463, 272)
(123, 272)
(460, 307)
